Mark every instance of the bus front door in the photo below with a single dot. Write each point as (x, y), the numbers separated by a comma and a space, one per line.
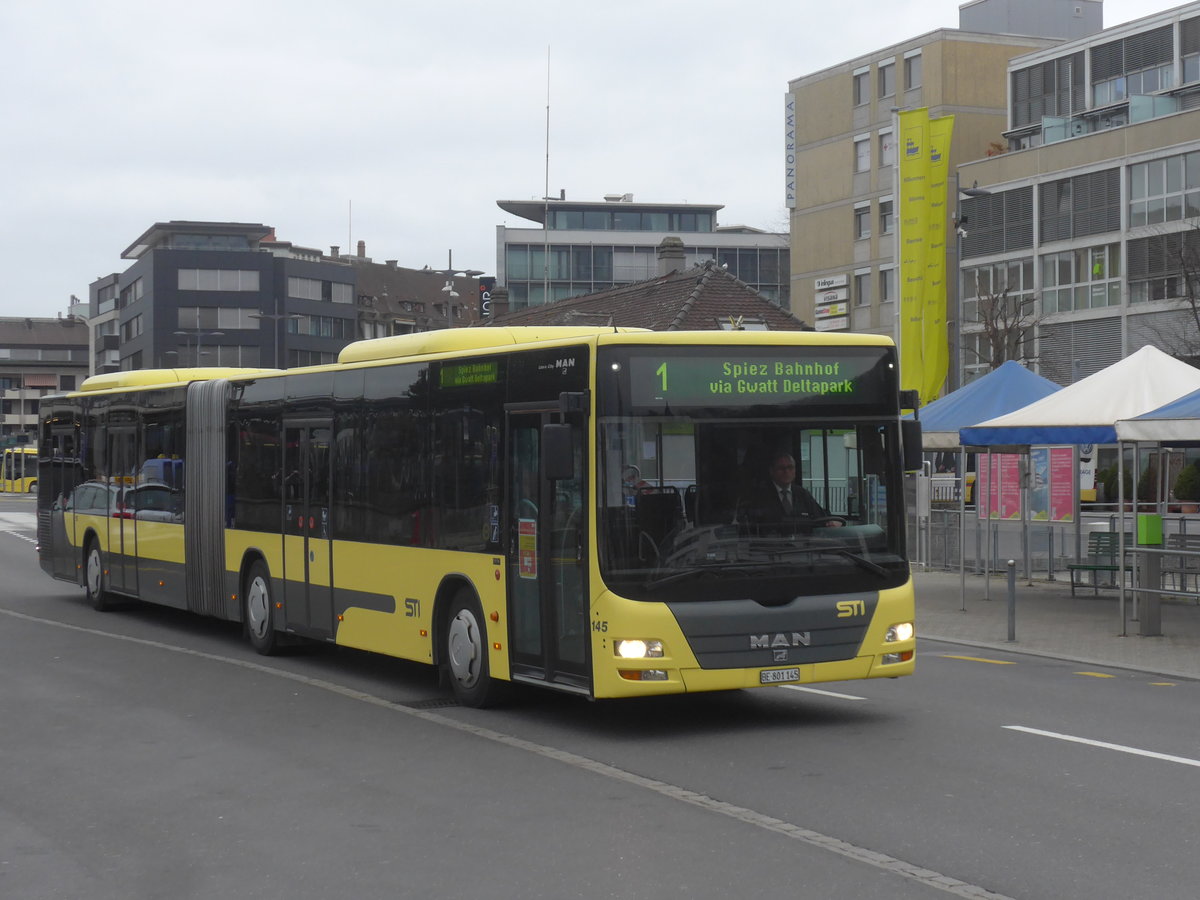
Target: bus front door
(548, 608)
(307, 539)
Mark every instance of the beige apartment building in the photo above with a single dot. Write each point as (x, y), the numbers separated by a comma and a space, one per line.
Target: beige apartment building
(841, 161)
(840, 150)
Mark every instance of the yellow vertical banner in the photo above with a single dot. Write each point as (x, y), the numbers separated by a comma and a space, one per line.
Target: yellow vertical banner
(913, 216)
(935, 339)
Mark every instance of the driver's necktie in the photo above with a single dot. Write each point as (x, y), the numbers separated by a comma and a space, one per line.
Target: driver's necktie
(785, 497)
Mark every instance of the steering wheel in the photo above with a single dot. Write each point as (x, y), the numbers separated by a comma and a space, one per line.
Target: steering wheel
(829, 521)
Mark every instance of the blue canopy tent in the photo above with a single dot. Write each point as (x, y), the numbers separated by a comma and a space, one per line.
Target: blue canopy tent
(1000, 391)
(1178, 422)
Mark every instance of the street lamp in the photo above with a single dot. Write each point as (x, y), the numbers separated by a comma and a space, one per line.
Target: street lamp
(275, 318)
(450, 273)
(199, 335)
(960, 232)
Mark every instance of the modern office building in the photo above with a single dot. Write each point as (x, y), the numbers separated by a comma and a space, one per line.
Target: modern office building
(37, 357)
(704, 297)
(222, 294)
(841, 150)
(232, 294)
(585, 247)
(1093, 210)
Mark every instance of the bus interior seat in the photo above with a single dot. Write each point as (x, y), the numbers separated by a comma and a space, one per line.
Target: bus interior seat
(659, 512)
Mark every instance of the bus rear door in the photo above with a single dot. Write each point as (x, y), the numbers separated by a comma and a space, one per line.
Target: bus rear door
(122, 533)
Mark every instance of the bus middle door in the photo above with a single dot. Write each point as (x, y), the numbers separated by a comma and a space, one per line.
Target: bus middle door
(307, 541)
(547, 587)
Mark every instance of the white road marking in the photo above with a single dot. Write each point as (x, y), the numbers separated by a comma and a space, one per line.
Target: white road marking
(24, 521)
(863, 855)
(1104, 745)
(809, 690)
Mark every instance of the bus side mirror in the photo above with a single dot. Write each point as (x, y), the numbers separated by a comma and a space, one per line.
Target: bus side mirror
(558, 454)
(910, 434)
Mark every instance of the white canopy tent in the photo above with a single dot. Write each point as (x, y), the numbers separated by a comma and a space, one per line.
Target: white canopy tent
(1087, 412)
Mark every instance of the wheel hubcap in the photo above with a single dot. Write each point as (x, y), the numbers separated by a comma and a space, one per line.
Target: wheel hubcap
(94, 573)
(257, 611)
(464, 648)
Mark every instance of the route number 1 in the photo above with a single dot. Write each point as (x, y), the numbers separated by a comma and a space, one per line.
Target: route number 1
(661, 371)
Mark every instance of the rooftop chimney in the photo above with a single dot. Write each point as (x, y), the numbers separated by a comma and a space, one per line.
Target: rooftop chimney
(362, 249)
(333, 251)
(499, 301)
(670, 255)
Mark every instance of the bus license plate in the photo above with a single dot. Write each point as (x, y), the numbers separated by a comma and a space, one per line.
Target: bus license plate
(778, 676)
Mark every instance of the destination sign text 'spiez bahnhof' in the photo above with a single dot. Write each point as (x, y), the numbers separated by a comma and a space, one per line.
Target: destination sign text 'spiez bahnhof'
(708, 380)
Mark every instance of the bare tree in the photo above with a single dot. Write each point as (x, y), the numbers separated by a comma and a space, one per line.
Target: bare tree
(1180, 335)
(1008, 327)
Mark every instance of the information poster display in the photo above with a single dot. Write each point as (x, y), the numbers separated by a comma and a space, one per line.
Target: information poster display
(1052, 484)
(1001, 490)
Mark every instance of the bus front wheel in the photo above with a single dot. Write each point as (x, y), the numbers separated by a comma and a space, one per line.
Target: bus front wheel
(260, 610)
(93, 566)
(466, 652)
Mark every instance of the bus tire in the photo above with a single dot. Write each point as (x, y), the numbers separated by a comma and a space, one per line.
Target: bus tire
(259, 609)
(466, 652)
(93, 578)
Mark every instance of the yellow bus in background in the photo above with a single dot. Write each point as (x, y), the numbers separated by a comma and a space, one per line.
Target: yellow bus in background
(461, 498)
(20, 470)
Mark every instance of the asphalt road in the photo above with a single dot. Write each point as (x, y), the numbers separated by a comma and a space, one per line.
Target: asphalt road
(150, 753)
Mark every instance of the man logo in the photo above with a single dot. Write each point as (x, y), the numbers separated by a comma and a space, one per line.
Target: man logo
(773, 641)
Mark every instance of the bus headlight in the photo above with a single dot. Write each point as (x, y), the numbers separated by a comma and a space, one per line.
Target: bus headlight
(636, 649)
(902, 631)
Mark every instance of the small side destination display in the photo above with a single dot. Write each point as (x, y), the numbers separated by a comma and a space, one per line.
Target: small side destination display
(469, 374)
(713, 380)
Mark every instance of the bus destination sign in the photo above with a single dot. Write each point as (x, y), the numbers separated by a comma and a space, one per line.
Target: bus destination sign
(711, 380)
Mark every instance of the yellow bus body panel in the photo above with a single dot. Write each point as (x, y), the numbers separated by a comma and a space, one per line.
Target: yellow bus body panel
(410, 574)
(408, 577)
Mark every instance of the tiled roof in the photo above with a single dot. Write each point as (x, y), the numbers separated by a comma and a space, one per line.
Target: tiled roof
(696, 299)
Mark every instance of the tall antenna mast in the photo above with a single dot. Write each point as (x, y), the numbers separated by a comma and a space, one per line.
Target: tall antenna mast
(546, 195)
(349, 226)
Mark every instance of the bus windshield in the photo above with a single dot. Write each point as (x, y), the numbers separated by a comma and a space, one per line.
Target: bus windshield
(703, 501)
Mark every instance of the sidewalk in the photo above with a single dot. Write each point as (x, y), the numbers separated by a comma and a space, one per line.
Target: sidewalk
(1050, 622)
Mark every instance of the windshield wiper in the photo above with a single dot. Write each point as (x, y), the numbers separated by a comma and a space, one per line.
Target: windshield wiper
(868, 564)
(710, 571)
(862, 561)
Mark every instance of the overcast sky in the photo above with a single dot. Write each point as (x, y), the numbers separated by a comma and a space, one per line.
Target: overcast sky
(395, 122)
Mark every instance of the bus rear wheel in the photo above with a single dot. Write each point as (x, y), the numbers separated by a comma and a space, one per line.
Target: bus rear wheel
(466, 652)
(93, 570)
(260, 609)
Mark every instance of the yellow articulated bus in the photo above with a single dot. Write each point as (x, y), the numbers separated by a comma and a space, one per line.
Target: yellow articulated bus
(20, 472)
(564, 507)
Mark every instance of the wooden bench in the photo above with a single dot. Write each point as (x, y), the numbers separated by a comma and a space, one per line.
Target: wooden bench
(1102, 550)
(1182, 566)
